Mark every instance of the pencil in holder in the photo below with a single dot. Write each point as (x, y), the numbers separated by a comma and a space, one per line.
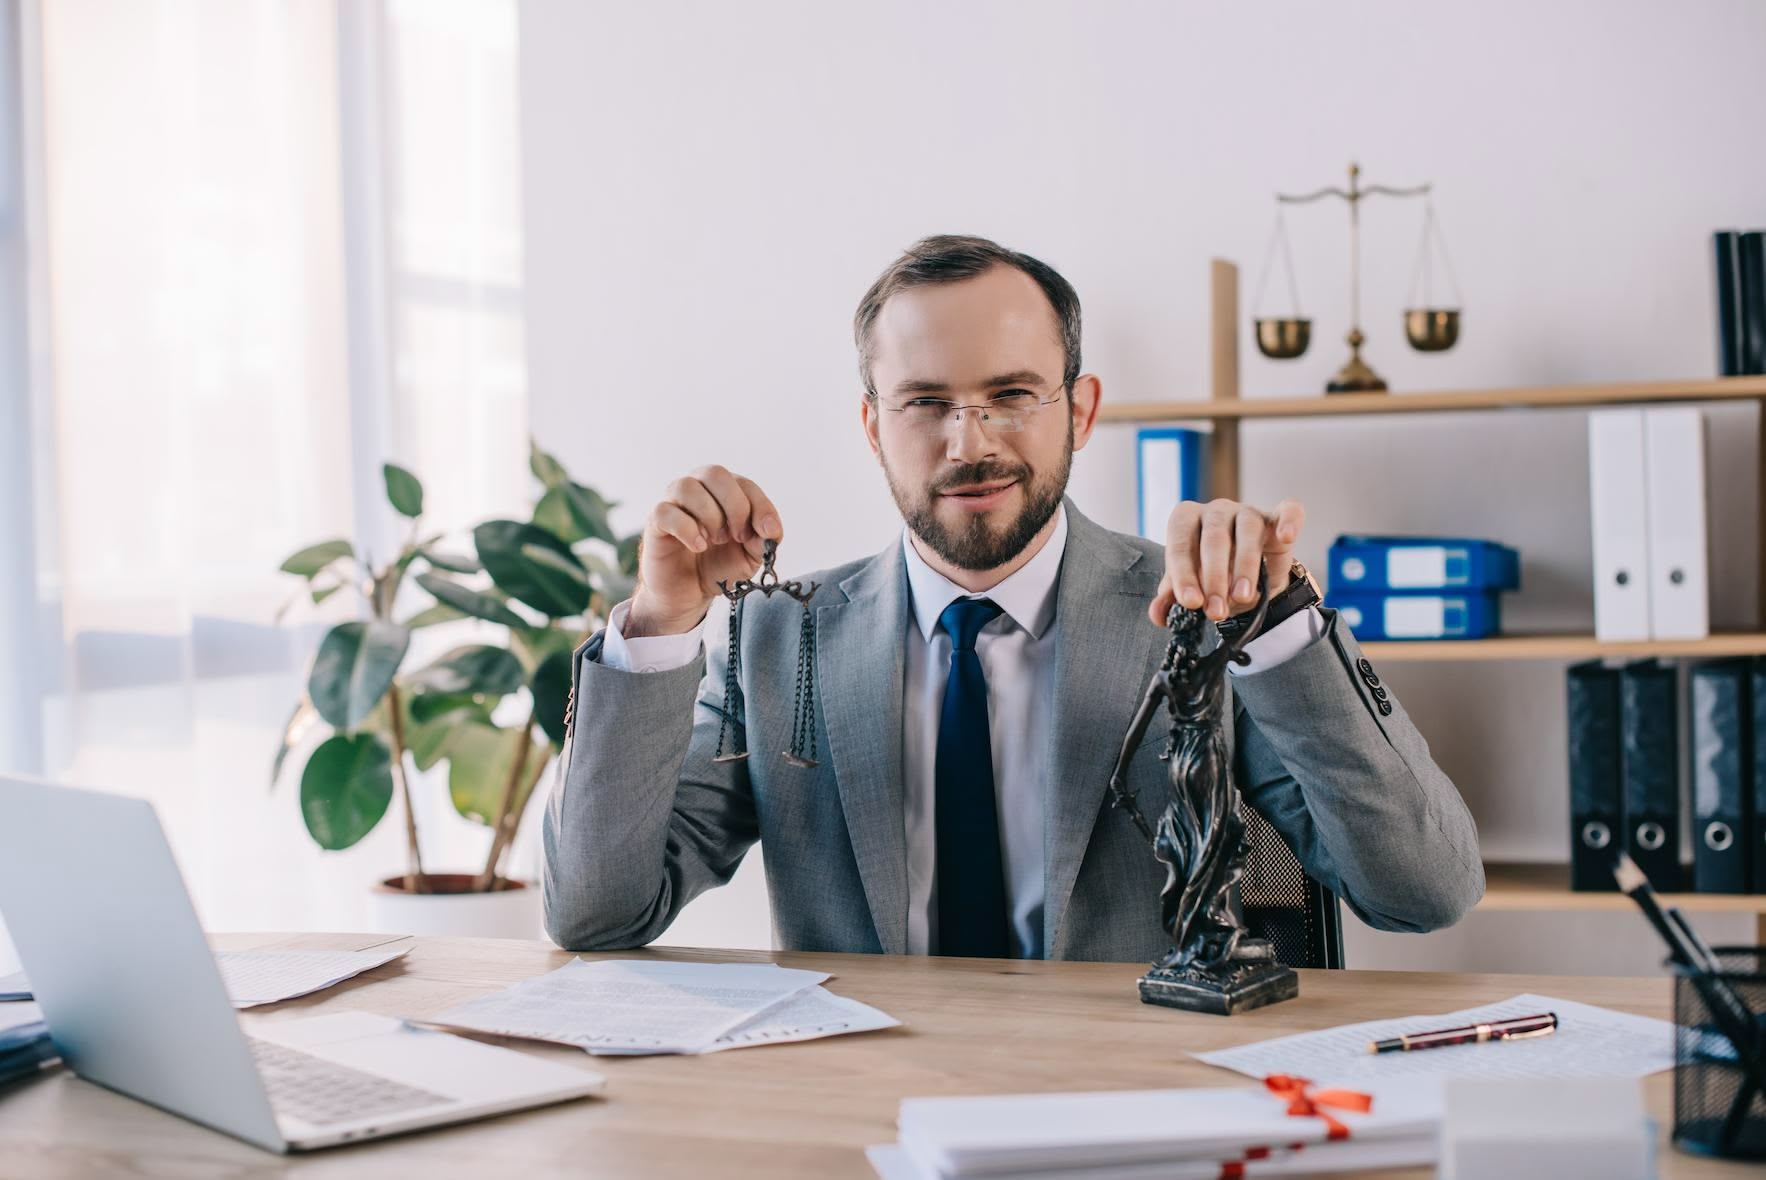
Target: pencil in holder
(1720, 1055)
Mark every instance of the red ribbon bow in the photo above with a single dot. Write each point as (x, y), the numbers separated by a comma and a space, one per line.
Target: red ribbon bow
(1308, 1103)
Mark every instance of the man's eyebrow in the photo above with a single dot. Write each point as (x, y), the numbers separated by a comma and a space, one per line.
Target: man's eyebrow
(1019, 377)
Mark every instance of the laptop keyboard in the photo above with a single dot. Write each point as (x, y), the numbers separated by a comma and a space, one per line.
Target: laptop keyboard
(323, 1092)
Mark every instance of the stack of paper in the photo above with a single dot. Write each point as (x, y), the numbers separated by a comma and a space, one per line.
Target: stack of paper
(267, 977)
(24, 1041)
(642, 1006)
(1155, 1135)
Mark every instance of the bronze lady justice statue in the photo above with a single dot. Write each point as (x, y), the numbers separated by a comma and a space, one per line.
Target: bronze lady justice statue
(1213, 965)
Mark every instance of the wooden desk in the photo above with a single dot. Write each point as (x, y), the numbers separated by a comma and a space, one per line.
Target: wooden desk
(970, 1026)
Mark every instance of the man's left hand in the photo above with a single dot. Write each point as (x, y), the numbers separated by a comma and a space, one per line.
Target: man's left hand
(1212, 553)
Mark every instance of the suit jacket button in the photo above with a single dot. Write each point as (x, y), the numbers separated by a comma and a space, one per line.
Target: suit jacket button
(1379, 693)
(1385, 707)
(1364, 667)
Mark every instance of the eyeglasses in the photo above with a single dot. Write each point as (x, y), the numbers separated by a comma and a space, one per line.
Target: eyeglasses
(1002, 413)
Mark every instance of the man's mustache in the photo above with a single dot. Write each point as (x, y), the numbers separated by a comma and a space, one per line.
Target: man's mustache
(974, 473)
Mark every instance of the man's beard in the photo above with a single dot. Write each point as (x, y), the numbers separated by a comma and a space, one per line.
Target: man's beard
(977, 544)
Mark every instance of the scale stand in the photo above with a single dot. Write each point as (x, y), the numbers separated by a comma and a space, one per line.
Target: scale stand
(1428, 328)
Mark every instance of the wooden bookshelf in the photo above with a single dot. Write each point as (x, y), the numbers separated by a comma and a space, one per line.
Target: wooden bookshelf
(1546, 888)
(1542, 397)
(1566, 647)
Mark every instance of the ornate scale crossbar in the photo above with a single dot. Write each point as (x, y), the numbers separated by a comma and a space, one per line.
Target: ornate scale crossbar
(802, 752)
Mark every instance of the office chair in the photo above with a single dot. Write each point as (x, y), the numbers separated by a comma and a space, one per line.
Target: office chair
(1283, 904)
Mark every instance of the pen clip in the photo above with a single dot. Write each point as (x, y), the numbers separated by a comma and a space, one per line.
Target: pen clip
(1538, 1032)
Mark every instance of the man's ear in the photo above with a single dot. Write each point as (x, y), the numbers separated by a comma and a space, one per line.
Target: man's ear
(869, 416)
(1087, 392)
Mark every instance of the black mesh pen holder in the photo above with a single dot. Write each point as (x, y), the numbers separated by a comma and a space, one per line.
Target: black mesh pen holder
(1720, 1056)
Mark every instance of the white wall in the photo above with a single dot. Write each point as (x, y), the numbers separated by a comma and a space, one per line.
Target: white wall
(709, 188)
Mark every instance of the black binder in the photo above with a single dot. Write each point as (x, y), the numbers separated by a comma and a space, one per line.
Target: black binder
(1728, 303)
(1595, 775)
(1751, 275)
(1651, 759)
(1722, 775)
(1758, 824)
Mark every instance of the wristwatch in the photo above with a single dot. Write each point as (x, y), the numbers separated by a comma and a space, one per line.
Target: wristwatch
(1302, 591)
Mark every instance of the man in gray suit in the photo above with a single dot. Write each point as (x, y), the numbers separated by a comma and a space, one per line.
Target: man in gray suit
(976, 679)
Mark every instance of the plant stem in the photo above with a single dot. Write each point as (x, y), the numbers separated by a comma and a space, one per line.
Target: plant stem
(414, 875)
(503, 829)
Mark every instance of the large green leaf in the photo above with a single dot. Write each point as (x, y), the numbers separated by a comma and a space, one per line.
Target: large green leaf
(611, 582)
(299, 723)
(353, 669)
(345, 789)
(480, 759)
(469, 601)
(532, 645)
(454, 563)
(553, 514)
(313, 558)
(403, 490)
(551, 689)
(588, 511)
(476, 669)
(531, 565)
(441, 612)
(436, 720)
(545, 468)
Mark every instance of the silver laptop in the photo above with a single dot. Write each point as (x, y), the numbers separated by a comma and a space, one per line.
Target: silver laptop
(135, 1002)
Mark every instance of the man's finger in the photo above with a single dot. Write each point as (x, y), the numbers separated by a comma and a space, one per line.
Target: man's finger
(764, 516)
(1160, 608)
(1182, 535)
(1290, 518)
(671, 520)
(1248, 533)
(730, 497)
(693, 498)
(1216, 549)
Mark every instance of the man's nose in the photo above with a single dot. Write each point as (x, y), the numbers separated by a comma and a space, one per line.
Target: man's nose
(967, 439)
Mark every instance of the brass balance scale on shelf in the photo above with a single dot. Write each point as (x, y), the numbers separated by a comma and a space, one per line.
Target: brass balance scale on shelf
(1427, 327)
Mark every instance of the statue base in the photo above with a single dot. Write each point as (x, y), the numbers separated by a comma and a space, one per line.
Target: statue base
(1223, 990)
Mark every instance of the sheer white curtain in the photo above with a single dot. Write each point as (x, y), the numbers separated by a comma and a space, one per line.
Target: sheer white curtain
(281, 245)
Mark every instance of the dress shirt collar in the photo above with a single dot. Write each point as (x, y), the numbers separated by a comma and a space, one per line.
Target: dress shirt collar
(1027, 597)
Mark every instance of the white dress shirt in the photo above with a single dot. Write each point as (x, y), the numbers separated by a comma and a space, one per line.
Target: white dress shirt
(1017, 654)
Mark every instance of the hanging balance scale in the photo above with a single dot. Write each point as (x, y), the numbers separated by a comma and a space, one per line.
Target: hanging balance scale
(1428, 327)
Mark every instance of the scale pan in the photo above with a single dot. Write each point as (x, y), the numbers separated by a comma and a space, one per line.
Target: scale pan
(1283, 340)
(1431, 329)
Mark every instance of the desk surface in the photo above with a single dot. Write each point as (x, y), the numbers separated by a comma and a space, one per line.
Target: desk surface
(970, 1026)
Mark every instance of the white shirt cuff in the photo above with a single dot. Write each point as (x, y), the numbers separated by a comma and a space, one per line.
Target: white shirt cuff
(650, 653)
(1281, 642)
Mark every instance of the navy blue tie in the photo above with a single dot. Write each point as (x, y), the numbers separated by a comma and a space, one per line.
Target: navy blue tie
(972, 916)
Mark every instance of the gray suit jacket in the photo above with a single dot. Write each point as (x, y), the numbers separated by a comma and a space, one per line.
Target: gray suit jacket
(642, 820)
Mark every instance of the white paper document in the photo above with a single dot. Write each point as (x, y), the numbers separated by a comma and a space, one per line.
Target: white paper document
(1589, 1042)
(18, 1014)
(818, 1012)
(632, 1006)
(266, 977)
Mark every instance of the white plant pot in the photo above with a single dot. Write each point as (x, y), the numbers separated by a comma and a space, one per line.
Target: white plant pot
(514, 912)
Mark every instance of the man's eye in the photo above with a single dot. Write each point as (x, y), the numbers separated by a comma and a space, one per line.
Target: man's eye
(925, 405)
(1014, 397)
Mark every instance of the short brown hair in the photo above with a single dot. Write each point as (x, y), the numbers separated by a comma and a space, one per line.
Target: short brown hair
(950, 258)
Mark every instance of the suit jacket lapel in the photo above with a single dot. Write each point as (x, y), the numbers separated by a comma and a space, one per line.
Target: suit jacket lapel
(859, 650)
(1105, 648)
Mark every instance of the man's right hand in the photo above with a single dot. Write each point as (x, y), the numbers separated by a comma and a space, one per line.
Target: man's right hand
(708, 528)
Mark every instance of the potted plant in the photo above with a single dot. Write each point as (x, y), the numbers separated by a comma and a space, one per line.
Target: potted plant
(492, 712)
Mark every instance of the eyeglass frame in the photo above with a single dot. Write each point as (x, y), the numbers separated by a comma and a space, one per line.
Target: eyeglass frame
(958, 409)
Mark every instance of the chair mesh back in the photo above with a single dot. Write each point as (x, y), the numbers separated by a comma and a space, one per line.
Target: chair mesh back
(1297, 914)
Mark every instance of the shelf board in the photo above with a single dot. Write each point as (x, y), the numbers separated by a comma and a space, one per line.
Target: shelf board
(1546, 888)
(1534, 397)
(1564, 647)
